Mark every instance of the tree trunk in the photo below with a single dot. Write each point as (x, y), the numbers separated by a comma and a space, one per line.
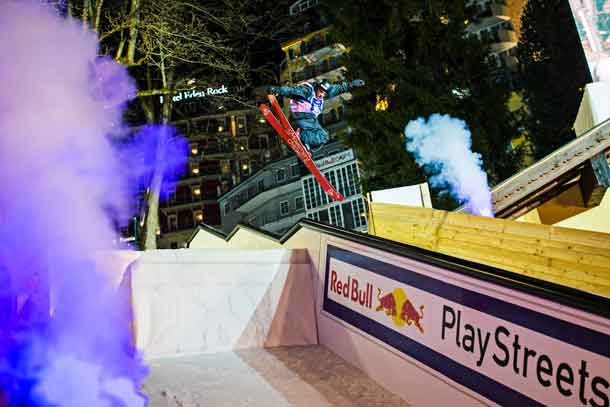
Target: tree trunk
(152, 217)
(85, 14)
(98, 14)
(134, 15)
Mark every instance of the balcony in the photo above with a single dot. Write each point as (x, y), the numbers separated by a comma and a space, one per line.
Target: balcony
(318, 69)
(500, 10)
(182, 204)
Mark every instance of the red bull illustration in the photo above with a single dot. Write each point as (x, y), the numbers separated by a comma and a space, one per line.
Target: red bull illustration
(386, 302)
(398, 300)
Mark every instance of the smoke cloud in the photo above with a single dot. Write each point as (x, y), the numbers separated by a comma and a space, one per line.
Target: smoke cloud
(442, 146)
(65, 325)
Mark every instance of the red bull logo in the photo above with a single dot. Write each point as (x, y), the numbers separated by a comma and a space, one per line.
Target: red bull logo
(397, 305)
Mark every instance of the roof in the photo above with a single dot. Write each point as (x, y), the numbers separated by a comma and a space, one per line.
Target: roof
(544, 289)
(549, 176)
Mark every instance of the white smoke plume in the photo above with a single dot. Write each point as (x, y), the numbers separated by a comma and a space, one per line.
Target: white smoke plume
(442, 146)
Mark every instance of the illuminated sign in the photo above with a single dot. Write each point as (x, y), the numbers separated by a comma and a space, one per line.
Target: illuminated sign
(196, 94)
(491, 340)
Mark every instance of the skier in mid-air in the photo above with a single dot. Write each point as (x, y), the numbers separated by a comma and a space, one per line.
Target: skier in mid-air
(307, 102)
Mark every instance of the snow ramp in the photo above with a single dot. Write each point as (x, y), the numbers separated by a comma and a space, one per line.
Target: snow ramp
(324, 316)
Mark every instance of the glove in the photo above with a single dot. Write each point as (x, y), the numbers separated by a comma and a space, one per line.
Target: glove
(273, 90)
(357, 83)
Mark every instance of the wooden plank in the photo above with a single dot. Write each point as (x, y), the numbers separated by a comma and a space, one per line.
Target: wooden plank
(575, 258)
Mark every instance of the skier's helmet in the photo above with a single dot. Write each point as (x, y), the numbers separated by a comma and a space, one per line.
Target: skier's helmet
(323, 85)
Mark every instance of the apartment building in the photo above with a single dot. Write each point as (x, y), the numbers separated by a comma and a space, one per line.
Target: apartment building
(225, 148)
(283, 192)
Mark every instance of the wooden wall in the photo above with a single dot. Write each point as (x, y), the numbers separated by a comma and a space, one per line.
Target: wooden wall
(571, 257)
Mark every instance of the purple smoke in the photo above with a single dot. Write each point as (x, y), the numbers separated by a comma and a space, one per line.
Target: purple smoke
(442, 146)
(172, 159)
(65, 324)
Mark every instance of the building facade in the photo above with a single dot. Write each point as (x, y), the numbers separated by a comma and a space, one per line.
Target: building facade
(498, 22)
(225, 149)
(283, 192)
(341, 169)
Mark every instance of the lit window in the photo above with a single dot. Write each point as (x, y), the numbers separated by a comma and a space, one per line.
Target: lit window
(244, 167)
(195, 171)
(199, 216)
(537, 56)
(220, 129)
(194, 150)
(197, 191)
(261, 120)
(381, 104)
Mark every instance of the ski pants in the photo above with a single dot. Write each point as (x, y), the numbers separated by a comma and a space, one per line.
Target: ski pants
(312, 132)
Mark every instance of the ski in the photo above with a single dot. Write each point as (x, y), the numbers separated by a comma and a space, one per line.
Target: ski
(285, 130)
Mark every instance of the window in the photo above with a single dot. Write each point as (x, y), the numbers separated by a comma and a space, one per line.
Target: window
(359, 213)
(263, 142)
(227, 208)
(314, 216)
(280, 175)
(225, 167)
(295, 170)
(284, 208)
(241, 125)
(172, 223)
(314, 196)
(335, 215)
(174, 245)
(298, 203)
(261, 185)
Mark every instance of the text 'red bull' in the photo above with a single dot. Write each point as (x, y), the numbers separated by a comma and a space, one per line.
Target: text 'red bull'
(351, 289)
